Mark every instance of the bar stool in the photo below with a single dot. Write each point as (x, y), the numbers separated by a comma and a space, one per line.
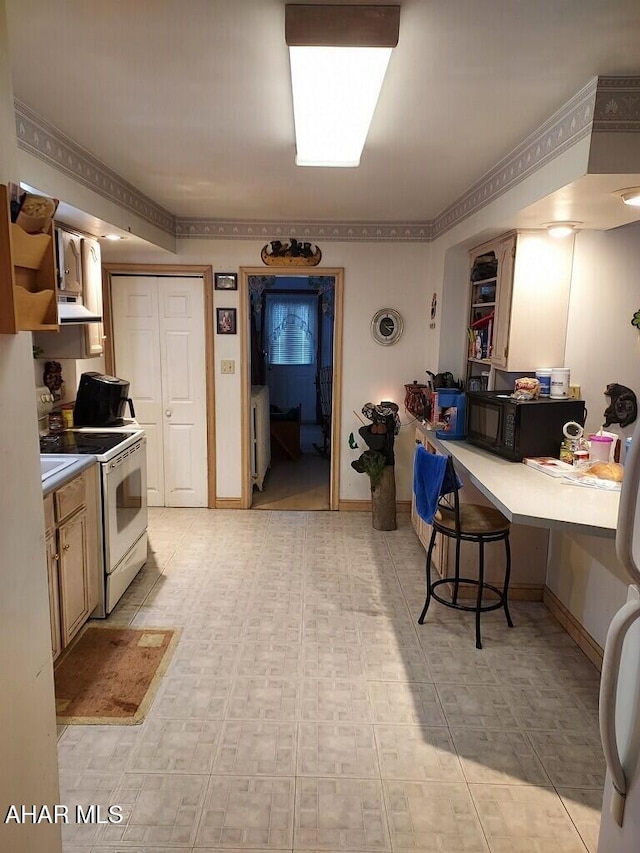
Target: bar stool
(463, 523)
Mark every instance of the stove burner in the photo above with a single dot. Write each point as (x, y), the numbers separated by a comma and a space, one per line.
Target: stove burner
(70, 441)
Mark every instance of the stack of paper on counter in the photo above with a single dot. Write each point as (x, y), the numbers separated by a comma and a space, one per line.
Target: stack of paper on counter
(568, 474)
(551, 466)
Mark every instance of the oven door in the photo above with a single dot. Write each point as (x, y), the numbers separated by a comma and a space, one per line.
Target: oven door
(124, 489)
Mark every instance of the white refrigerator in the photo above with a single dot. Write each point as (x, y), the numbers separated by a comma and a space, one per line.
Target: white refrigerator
(620, 683)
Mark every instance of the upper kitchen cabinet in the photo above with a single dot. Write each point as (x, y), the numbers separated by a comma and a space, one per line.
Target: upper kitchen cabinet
(27, 276)
(80, 297)
(92, 290)
(70, 261)
(519, 301)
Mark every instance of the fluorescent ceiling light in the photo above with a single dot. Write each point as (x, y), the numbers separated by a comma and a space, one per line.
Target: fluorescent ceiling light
(335, 92)
(339, 56)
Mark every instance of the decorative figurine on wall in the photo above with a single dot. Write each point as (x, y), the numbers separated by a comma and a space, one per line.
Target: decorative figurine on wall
(635, 320)
(293, 253)
(623, 408)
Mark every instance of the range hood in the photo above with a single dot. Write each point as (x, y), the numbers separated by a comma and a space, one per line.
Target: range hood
(71, 310)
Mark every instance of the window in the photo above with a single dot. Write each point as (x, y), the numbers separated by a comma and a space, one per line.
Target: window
(291, 324)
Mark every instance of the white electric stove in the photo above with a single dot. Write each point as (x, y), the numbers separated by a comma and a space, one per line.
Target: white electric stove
(121, 453)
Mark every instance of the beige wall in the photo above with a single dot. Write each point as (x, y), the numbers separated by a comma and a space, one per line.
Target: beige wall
(377, 275)
(28, 762)
(602, 347)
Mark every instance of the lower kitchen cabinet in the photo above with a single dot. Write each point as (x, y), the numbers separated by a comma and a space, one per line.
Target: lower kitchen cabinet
(73, 575)
(54, 594)
(73, 556)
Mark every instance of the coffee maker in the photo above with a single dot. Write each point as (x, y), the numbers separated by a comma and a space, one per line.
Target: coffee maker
(101, 401)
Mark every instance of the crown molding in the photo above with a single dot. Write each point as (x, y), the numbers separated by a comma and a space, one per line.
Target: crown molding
(43, 140)
(605, 104)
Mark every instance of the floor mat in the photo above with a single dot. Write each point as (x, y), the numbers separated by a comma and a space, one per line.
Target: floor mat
(110, 675)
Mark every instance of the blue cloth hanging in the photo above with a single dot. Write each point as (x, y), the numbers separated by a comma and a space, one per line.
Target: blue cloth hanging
(432, 478)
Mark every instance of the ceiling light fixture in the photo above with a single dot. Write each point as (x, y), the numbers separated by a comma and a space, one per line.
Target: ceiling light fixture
(112, 237)
(561, 229)
(339, 57)
(630, 196)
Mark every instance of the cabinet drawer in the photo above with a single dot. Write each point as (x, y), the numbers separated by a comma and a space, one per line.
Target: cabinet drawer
(71, 497)
(49, 518)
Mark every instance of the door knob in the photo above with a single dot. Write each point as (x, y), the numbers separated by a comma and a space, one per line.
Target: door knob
(168, 413)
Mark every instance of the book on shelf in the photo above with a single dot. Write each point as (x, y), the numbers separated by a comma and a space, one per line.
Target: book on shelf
(549, 465)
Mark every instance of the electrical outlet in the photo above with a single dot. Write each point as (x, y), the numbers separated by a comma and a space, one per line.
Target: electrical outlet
(227, 365)
(574, 392)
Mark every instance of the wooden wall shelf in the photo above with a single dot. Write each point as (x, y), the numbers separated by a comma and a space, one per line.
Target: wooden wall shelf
(27, 276)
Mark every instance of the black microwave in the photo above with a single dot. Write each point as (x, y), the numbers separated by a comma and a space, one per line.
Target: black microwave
(518, 428)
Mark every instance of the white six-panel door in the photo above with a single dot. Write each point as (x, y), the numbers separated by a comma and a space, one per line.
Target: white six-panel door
(159, 348)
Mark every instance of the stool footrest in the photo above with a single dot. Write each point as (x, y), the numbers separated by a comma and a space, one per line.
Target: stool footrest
(496, 605)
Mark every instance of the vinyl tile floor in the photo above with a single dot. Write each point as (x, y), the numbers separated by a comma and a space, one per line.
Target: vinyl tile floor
(306, 710)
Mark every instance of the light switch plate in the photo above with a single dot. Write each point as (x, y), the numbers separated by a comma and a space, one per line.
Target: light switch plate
(227, 365)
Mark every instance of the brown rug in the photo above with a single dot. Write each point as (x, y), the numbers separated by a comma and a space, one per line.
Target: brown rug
(110, 675)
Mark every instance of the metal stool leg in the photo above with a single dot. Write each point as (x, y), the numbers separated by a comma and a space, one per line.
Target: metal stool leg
(480, 585)
(507, 575)
(456, 583)
(428, 574)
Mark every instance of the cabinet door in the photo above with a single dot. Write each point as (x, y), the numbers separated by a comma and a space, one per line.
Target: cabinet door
(505, 252)
(54, 596)
(92, 295)
(74, 588)
(70, 261)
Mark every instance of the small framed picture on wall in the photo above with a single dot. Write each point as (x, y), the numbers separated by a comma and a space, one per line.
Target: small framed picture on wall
(226, 281)
(226, 321)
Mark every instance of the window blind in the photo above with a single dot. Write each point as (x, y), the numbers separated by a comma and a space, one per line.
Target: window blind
(291, 324)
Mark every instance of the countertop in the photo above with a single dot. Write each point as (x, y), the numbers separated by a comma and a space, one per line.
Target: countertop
(58, 478)
(528, 496)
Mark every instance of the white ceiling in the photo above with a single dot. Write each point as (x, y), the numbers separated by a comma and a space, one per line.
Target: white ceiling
(189, 100)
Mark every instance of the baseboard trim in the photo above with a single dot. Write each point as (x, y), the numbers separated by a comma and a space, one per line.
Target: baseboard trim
(575, 630)
(365, 506)
(228, 503)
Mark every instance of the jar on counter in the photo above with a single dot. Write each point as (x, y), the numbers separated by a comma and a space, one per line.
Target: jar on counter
(56, 422)
(580, 456)
(67, 416)
(567, 451)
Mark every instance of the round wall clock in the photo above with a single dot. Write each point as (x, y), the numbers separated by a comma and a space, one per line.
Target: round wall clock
(386, 326)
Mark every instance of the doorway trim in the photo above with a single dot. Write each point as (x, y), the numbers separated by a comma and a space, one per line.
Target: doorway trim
(336, 388)
(108, 271)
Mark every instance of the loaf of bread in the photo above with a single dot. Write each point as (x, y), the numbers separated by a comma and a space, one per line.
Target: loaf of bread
(606, 471)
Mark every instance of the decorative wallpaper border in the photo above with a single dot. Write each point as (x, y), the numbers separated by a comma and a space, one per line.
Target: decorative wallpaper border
(605, 104)
(40, 138)
(617, 107)
(212, 229)
(563, 129)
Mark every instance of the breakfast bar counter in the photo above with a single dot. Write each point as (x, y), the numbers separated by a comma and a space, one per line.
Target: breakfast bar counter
(531, 497)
